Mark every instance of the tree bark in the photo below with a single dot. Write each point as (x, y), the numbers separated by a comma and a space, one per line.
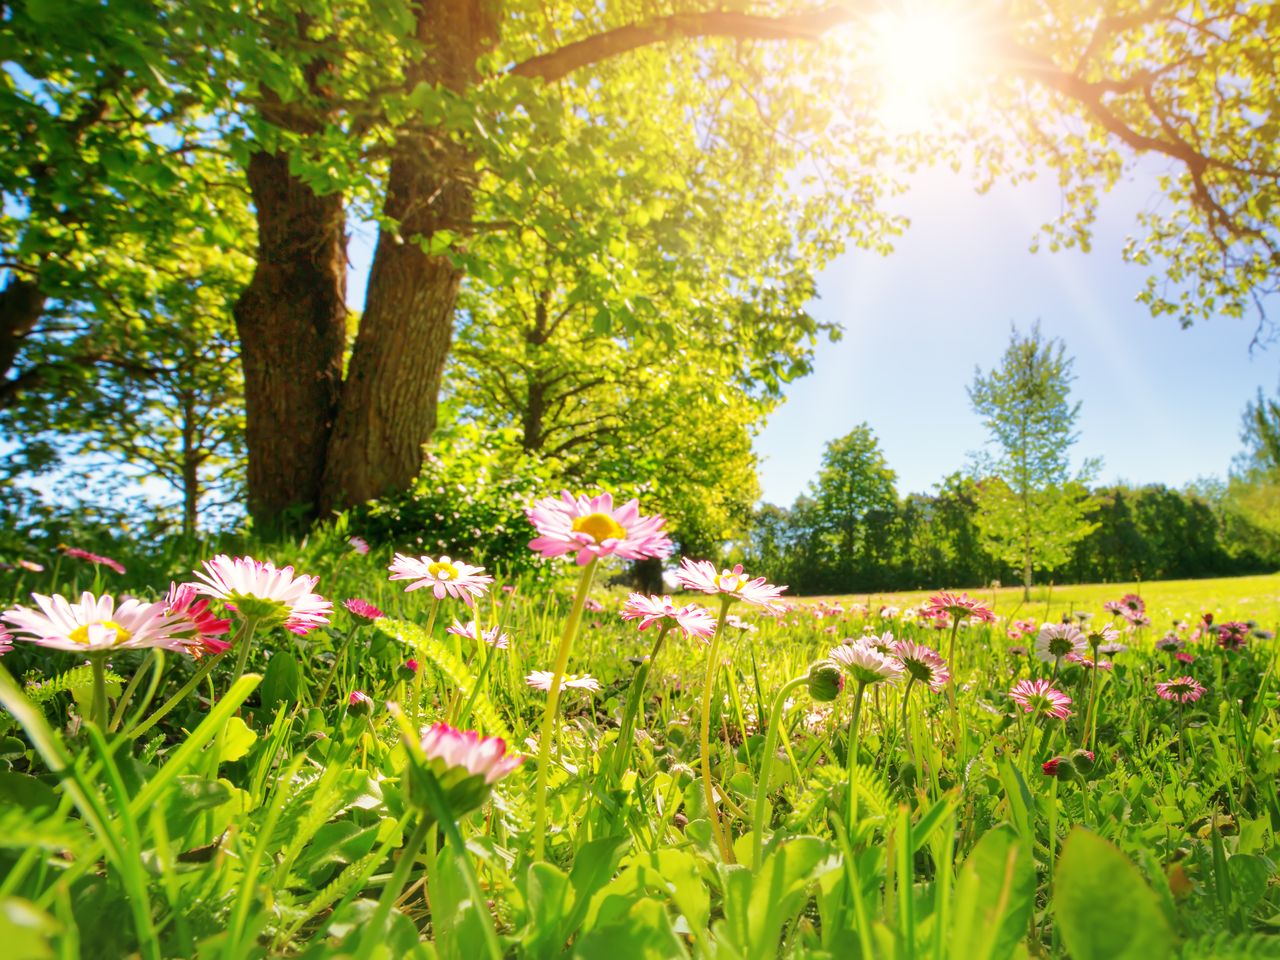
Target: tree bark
(21, 303)
(389, 402)
(292, 324)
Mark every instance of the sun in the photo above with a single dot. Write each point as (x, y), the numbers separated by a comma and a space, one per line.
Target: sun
(925, 55)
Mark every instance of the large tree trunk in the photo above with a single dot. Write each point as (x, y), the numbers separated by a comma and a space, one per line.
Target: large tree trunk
(388, 408)
(292, 324)
(21, 304)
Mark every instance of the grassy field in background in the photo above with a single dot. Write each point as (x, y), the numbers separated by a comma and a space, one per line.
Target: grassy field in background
(1245, 598)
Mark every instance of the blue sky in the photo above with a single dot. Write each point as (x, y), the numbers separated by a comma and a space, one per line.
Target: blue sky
(1159, 403)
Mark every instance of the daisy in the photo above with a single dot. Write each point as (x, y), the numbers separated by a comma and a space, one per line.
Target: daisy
(77, 554)
(1181, 690)
(359, 544)
(446, 577)
(1097, 636)
(194, 620)
(701, 575)
(1232, 635)
(693, 620)
(541, 680)
(961, 607)
(97, 624)
(1038, 697)
(362, 609)
(922, 663)
(258, 589)
(1170, 643)
(1022, 628)
(1057, 640)
(590, 527)
(6, 642)
(865, 663)
(1088, 662)
(447, 749)
(494, 637)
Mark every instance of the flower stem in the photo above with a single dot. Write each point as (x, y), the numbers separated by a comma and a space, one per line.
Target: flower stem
(553, 701)
(766, 769)
(635, 697)
(244, 639)
(951, 684)
(906, 728)
(704, 732)
(99, 663)
(391, 892)
(851, 757)
(475, 687)
(339, 660)
(177, 698)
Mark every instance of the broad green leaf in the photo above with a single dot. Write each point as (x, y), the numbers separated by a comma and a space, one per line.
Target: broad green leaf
(994, 896)
(1103, 905)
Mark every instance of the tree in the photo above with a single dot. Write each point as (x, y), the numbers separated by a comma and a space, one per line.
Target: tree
(855, 482)
(1030, 509)
(457, 123)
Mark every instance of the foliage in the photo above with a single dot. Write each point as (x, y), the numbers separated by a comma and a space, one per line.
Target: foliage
(1030, 510)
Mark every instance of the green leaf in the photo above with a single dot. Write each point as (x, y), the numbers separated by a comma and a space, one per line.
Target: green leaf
(26, 931)
(236, 739)
(1103, 905)
(282, 681)
(756, 907)
(643, 932)
(995, 894)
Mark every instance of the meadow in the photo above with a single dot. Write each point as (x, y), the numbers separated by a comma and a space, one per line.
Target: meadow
(261, 764)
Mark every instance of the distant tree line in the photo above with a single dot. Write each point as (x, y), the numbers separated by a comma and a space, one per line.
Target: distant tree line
(926, 540)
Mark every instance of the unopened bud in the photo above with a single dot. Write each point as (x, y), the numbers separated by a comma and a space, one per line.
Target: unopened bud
(826, 680)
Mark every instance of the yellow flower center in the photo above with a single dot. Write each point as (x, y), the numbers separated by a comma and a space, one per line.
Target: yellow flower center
(81, 634)
(599, 527)
(730, 582)
(442, 571)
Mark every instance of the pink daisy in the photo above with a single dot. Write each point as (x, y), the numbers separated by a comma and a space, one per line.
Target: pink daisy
(693, 620)
(961, 607)
(590, 527)
(362, 609)
(922, 663)
(1181, 689)
(194, 620)
(1232, 635)
(359, 544)
(1021, 628)
(494, 637)
(256, 588)
(448, 749)
(359, 703)
(1038, 697)
(862, 661)
(96, 624)
(541, 680)
(1057, 640)
(702, 575)
(95, 558)
(1185, 657)
(6, 643)
(1088, 662)
(446, 577)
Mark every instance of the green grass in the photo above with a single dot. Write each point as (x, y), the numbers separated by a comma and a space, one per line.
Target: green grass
(1248, 598)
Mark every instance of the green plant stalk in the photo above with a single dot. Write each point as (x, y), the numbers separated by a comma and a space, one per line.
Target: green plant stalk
(338, 661)
(99, 663)
(244, 639)
(132, 686)
(906, 726)
(851, 757)
(635, 697)
(436, 801)
(766, 769)
(391, 892)
(139, 729)
(704, 731)
(553, 703)
(1091, 716)
(953, 706)
(465, 712)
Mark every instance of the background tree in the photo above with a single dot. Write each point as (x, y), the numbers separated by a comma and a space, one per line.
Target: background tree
(1030, 509)
(853, 486)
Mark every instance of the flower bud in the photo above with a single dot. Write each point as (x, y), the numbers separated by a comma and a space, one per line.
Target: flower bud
(826, 680)
(407, 670)
(1058, 767)
(462, 765)
(359, 704)
(1083, 761)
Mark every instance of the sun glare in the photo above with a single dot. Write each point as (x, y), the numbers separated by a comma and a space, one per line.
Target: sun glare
(924, 54)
